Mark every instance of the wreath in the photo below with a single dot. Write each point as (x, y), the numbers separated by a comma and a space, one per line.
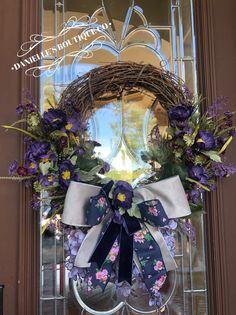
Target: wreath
(61, 165)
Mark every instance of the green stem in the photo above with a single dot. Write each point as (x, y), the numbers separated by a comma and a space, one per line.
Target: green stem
(21, 130)
(197, 183)
(226, 130)
(20, 178)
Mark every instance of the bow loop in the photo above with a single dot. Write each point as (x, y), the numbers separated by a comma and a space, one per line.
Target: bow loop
(99, 207)
(152, 212)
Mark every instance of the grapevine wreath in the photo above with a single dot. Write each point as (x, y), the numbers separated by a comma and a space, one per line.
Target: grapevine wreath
(66, 175)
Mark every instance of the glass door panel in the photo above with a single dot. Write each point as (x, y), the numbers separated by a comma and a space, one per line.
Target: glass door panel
(157, 32)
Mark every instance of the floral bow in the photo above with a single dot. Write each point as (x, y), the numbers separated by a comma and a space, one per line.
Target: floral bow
(124, 229)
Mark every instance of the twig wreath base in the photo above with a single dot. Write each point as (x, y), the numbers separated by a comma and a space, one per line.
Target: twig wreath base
(108, 82)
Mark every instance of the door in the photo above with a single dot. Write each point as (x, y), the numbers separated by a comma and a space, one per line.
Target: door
(128, 31)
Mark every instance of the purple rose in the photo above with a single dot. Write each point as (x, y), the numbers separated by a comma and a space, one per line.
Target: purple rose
(66, 173)
(179, 114)
(54, 119)
(123, 195)
(198, 173)
(205, 140)
(36, 149)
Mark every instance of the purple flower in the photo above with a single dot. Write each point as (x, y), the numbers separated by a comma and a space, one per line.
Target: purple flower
(190, 231)
(219, 103)
(195, 194)
(198, 173)
(47, 180)
(54, 119)
(123, 195)
(80, 151)
(222, 170)
(123, 289)
(19, 110)
(106, 168)
(32, 167)
(205, 140)
(12, 168)
(25, 108)
(72, 125)
(22, 171)
(66, 173)
(179, 114)
(156, 300)
(35, 203)
(36, 149)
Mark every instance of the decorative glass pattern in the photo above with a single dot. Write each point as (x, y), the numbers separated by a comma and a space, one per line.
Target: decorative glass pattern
(157, 32)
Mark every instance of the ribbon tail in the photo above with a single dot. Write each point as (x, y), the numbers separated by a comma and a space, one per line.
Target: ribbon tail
(105, 244)
(151, 261)
(126, 257)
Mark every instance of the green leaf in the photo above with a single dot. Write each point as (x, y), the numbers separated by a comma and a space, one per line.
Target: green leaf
(44, 167)
(134, 211)
(189, 140)
(58, 134)
(200, 159)
(148, 237)
(73, 159)
(213, 155)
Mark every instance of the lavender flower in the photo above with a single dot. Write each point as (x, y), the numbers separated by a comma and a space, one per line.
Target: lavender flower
(190, 231)
(19, 110)
(35, 203)
(222, 170)
(72, 244)
(123, 195)
(123, 289)
(12, 168)
(219, 103)
(156, 301)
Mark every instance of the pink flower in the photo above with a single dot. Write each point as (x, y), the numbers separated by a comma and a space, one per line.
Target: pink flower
(158, 284)
(139, 236)
(153, 211)
(102, 275)
(102, 202)
(112, 258)
(159, 265)
(99, 275)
